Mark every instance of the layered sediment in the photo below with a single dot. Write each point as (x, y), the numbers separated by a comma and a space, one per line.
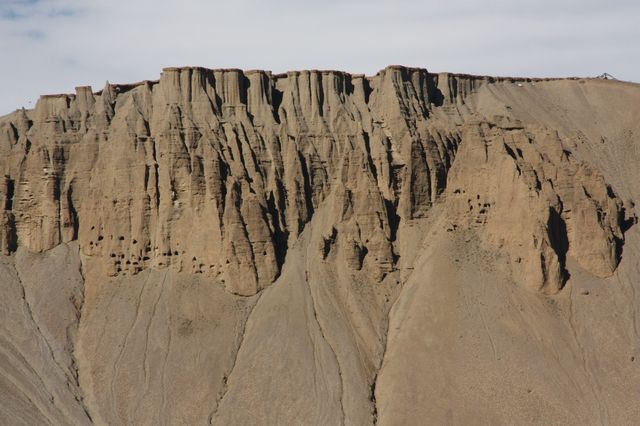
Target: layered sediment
(218, 171)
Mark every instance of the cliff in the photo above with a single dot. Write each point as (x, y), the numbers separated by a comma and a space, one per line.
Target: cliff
(195, 194)
(218, 171)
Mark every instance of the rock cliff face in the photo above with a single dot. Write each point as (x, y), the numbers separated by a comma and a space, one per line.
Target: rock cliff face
(218, 171)
(292, 210)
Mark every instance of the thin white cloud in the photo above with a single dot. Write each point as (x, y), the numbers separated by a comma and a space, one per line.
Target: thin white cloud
(50, 46)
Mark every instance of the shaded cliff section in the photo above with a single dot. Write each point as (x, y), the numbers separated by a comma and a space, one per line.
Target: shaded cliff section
(217, 172)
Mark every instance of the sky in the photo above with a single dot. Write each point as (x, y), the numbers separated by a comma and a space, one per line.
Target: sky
(52, 46)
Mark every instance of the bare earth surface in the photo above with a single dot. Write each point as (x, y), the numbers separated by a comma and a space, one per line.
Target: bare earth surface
(231, 248)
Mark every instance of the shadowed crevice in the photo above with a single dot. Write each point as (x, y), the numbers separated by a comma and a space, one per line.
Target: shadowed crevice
(558, 237)
(75, 223)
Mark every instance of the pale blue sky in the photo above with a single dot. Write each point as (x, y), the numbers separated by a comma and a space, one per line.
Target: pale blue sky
(51, 46)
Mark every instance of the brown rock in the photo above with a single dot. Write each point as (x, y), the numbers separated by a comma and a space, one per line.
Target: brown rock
(316, 247)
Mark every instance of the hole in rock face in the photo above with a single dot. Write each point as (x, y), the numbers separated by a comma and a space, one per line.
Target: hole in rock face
(121, 238)
(100, 238)
(362, 254)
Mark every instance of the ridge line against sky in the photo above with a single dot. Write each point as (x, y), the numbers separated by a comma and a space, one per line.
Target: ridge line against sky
(51, 46)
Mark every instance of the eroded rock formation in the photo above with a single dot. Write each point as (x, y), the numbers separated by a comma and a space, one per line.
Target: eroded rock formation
(218, 171)
(318, 247)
